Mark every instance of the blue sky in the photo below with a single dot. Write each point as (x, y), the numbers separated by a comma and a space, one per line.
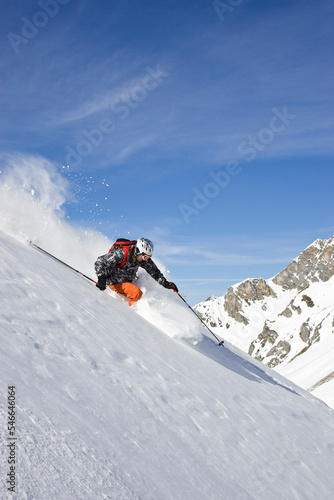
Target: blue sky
(205, 126)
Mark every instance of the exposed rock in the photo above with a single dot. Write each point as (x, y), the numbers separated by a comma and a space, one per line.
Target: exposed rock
(296, 308)
(255, 289)
(216, 324)
(208, 320)
(328, 377)
(308, 301)
(247, 292)
(267, 335)
(300, 352)
(316, 335)
(287, 313)
(305, 332)
(233, 306)
(280, 351)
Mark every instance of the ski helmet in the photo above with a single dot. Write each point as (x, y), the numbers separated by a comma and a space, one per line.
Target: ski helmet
(145, 246)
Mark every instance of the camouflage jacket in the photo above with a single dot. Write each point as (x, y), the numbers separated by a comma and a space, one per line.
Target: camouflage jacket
(105, 266)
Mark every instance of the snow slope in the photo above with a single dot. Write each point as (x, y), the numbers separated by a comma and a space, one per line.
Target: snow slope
(109, 406)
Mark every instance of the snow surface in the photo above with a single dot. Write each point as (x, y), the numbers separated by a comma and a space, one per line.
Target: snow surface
(111, 406)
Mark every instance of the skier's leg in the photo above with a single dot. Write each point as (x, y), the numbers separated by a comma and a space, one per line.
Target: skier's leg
(129, 290)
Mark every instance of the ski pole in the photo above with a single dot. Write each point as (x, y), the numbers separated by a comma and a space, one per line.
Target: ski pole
(220, 342)
(56, 258)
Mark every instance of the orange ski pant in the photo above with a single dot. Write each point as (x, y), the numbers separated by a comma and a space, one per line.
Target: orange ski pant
(129, 290)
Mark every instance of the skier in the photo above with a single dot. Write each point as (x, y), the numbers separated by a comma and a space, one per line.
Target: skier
(118, 268)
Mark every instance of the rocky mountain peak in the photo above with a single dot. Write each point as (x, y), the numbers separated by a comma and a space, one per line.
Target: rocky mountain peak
(315, 263)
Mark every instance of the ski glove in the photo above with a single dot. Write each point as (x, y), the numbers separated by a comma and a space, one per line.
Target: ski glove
(171, 286)
(101, 283)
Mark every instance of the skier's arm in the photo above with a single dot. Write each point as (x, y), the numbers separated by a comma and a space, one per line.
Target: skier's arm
(105, 262)
(156, 274)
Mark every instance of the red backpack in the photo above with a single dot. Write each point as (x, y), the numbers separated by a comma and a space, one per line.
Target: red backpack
(125, 245)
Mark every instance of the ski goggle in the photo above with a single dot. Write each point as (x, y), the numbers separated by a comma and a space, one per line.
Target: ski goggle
(144, 255)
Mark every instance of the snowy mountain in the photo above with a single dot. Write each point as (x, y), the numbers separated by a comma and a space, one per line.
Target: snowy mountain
(110, 406)
(286, 322)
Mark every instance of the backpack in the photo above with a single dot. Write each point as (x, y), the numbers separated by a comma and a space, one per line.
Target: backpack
(125, 246)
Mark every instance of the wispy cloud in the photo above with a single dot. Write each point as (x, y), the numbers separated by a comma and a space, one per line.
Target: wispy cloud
(207, 108)
(103, 103)
(254, 252)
